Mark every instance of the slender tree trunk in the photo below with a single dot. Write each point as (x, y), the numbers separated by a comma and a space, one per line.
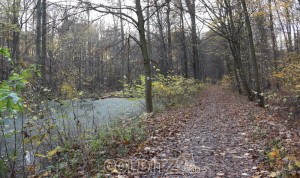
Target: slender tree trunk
(235, 50)
(148, 30)
(262, 47)
(234, 44)
(282, 27)
(163, 47)
(44, 41)
(145, 54)
(289, 30)
(170, 60)
(123, 65)
(16, 32)
(38, 31)
(196, 63)
(273, 37)
(253, 55)
(128, 62)
(295, 31)
(183, 43)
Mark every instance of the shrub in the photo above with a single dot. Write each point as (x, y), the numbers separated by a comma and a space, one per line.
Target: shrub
(288, 73)
(12, 104)
(167, 90)
(287, 77)
(226, 81)
(118, 135)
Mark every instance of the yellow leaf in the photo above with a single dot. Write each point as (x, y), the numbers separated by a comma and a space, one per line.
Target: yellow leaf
(274, 153)
(115, 171)
(297, 163)
(53, 152)
(40, 155)
(273, 174)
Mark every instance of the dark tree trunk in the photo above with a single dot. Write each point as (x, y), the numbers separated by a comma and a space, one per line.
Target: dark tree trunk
(170, 60)
(184, 62)
(16, 32)
(38, 31)
(253, 55)
(145, 54)
(234, 43)
(162, 44)
(196, 62)
(44, 41)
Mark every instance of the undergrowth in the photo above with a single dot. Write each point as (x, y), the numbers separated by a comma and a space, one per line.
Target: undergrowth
(168, 91)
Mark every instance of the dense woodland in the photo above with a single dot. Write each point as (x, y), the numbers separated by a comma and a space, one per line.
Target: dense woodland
(92, 46)
(88, 48)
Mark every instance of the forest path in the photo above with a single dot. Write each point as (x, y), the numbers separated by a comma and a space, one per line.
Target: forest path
(219, 132)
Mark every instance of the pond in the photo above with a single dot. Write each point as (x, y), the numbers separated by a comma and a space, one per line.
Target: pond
(75, 116)
(89, 112)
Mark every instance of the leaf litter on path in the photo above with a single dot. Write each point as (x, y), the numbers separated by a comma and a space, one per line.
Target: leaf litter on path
(226, 135)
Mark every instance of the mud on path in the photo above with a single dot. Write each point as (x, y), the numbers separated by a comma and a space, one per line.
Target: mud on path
(222, 132)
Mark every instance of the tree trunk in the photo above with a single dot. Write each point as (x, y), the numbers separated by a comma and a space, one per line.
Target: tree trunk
(170, 60)
(273, 37)
(38, 31)
(44, 40)
(148, 30)
(163, 47)
(196, 63)
(253, 55)
(123, 65)
(145, 54)
(288, 28)
(234, 44)
(16, 32)
(282, 27)
(183, 43)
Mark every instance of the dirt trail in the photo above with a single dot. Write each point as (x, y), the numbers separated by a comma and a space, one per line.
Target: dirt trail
(217, 132)
(217, 139)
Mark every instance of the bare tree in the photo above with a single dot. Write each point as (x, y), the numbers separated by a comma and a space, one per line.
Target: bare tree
(253, 56)
(140, 25)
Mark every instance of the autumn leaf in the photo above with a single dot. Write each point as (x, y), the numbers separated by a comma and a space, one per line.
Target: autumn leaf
(53, 152)
(273, 174)
(274, 153)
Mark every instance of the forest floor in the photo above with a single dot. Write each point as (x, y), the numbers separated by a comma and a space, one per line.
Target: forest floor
(222, 135)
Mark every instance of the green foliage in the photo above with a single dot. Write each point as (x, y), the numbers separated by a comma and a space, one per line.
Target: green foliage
(11, 103)
(10, 89)
(3, 169)
(118, 135)
(5, 52)
(169, 90)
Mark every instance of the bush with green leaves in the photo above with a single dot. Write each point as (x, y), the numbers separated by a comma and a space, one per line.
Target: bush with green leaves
(167, 90)
(11, 104)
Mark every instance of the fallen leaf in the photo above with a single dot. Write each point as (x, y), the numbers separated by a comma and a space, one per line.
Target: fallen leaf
(220, 174)
(273, 174)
